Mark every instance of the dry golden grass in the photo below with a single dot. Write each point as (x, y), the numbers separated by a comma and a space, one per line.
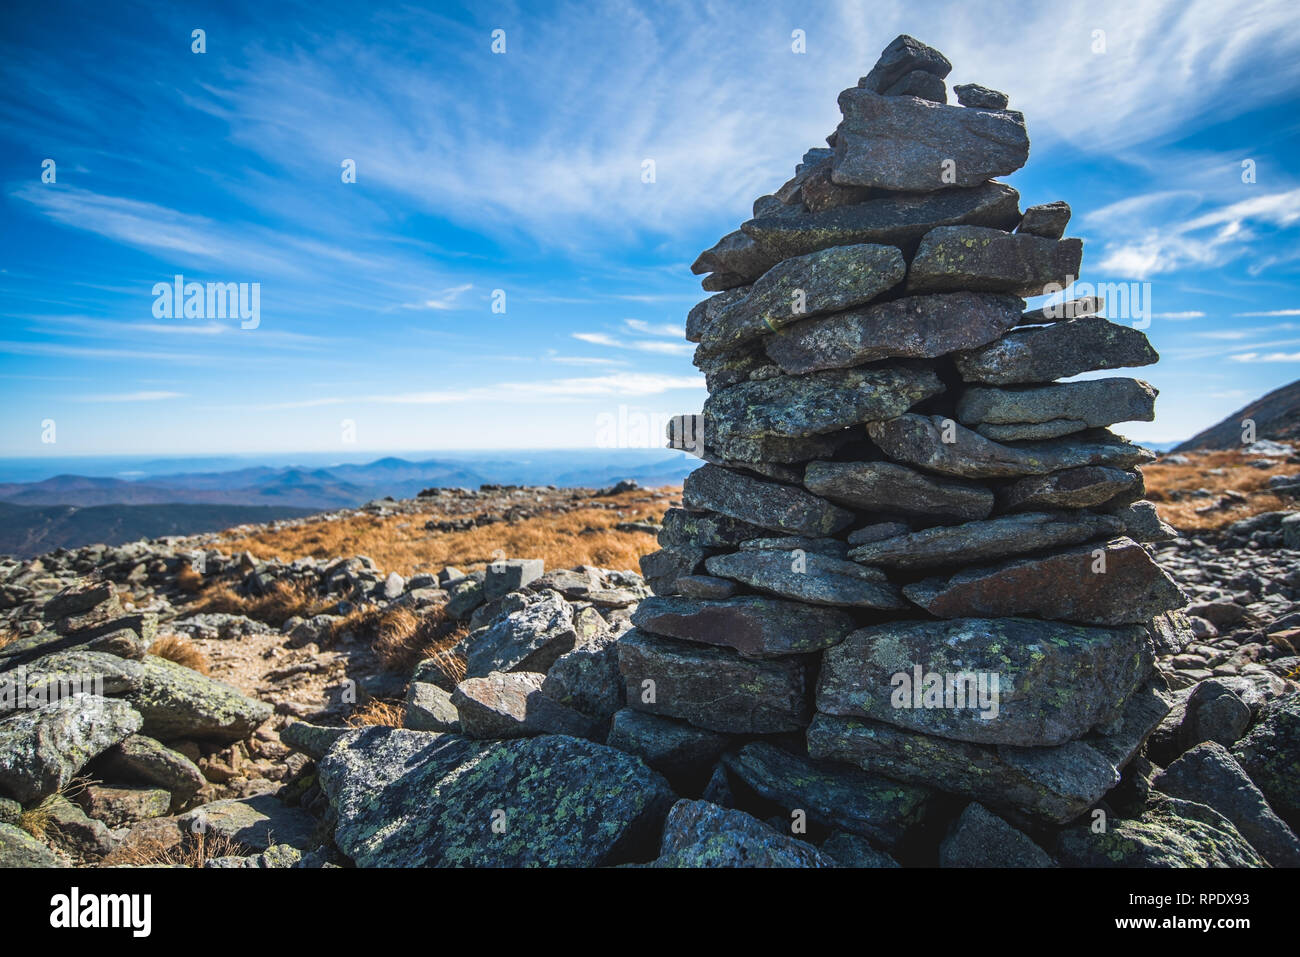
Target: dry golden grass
(191, 851)
(180, 650)
(452, 665)
(36, 821)
(559, 539)
(188, 580)
(399, 637)
(7, 635)
(1238, 475)
(282, 602)
(388, 714)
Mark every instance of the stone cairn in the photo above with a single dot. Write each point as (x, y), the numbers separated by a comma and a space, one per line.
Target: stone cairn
(913, 563)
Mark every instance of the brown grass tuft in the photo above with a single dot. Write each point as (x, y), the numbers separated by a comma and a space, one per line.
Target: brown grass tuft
(451, 665)
(285, 600)
(7, 635)
(188, 580)
(377, 711)
(192, 851)
(180, 650)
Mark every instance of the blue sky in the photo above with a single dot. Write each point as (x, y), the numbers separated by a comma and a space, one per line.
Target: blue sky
(522, 172)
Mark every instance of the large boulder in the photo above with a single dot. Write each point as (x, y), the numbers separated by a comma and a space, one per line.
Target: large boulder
(756, 627)
(43, 749)
(178, 702)
(1006, 681)
(529, 639)
(990, 260)
(1270, 753)
(700, 834)
(415, 799)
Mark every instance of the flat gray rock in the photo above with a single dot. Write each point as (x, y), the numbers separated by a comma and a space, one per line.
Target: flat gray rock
(700, 834)
(1048, 220)
(808, 577)
(832, 795)
(919, 440)
(804, 286)
(677, 750)
(713, 688)
(895, 220)
(1064, 586)
(178, 702)
(20, 849)
(991, 260)
(983, 541)
(1057, 351)
(902, 143)
(1055, 784)
(914, 327)
(530, 639)
(980, 97)
(512, 706)
(986, 680)
(781, 508)
(804, 406)
(756, 627)
(902, 56)
(889, 487)
(1082, 487)
(429, 708)
(1092, 402)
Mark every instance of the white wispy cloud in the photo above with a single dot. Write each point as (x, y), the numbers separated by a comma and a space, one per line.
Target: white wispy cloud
(657, 346)
(1178, 316)
(1269, 313)
(447, 298)
(133, 397)
(673, 330)
(1266, 357)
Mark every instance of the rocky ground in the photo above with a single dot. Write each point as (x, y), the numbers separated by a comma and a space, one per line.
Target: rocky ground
(327, 711)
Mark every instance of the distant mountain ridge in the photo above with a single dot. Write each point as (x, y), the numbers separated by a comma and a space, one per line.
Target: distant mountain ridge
(344, 486)
(1276, 416)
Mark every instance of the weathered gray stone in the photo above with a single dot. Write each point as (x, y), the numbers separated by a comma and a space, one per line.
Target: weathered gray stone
(178, 702)
(831, 795)
(429, 708)
(980, 838)
(1048, 220)
(1063, 586)
(530, 639)
(1142, 523)
(920, 83)
(70, 830)
(802, 406)
(1056, 784)
(142, 760)
(258, 822)
(877, 532)
(919, 440)
(902, 143)
(664, 568)
(808, 577)
(713, 688)
(985, 540)
(512, 706)
(510, 575)
(914, 327)
(706, 587)
(1271, 756)
(117, 806)
(735, 259)
(700, 834)
(311, 739)
(679, 751)
(1170, 833)
(41, 750)
(853, 850)
(987, 681)
(887, 486)
(1064, 309)
(587, 679)
(1056, 351)
(703, 313)
(980, 97)
(781, 508)
(20, 849)
(804, 286)
(899, 219)
(1071, 488)
(990, 260)
(1208, 774)
(902, 56)
(77, 599)
(705, 529)
(1092, 402)
(414, 799)
(756, 627)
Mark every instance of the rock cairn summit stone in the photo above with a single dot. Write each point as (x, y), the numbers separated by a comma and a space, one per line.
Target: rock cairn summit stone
(911, 551)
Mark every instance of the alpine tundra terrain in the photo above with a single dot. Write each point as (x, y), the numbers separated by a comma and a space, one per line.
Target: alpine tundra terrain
(919, 607)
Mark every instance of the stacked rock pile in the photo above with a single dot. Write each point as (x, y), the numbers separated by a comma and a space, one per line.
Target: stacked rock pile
(912, 549)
